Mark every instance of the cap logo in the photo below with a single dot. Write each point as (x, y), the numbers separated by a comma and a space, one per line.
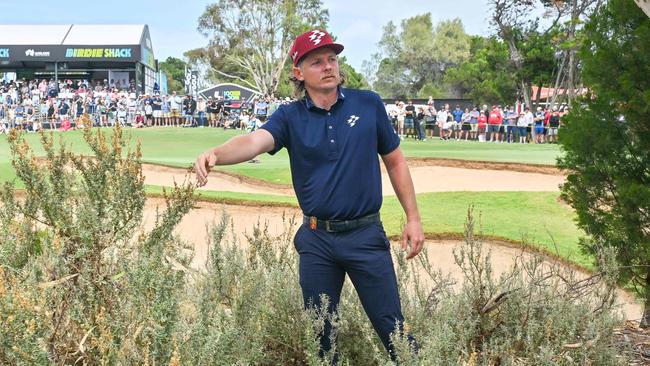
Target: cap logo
(293, 57)
(316, 36)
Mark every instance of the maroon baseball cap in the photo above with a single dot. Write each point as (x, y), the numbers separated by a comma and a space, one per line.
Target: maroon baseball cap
(310, 41)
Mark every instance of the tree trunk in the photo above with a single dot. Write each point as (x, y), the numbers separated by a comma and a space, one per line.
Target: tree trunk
(559, 80)
(571, 76)
(645, 320)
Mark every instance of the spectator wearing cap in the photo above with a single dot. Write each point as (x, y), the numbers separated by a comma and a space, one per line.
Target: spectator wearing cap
(156, 105)
(495, 118)
(189, 107)
(148, 111)
(333, 136)
(523, 123)
(553, 126)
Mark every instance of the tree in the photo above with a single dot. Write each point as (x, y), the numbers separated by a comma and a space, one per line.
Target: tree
(255, 36)
(485, 77)
(174, 68)
(606, 142)
(354, 79)
(411, 63)
(567, 39)
(451, 45)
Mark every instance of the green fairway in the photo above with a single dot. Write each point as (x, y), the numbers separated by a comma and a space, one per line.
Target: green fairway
(482, 151)
(534, 218)
(519, 216)
(179, 147)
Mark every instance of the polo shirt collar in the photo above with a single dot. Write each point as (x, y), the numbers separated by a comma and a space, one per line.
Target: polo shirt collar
(311, 106)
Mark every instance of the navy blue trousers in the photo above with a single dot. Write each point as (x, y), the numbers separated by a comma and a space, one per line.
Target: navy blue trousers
(362, 253)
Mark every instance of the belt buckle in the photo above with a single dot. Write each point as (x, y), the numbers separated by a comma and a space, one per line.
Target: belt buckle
(313, 222)
(327, 225)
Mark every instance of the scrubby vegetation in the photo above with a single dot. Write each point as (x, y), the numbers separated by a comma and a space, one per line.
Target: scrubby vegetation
(82, 282)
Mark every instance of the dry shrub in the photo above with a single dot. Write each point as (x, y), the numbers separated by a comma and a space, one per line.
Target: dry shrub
(82, 283)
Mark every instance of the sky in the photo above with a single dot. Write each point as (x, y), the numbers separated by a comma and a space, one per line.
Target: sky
(172, 24)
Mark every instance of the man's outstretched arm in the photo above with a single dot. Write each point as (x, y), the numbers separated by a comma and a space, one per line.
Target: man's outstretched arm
(400, 178)
(236, 150)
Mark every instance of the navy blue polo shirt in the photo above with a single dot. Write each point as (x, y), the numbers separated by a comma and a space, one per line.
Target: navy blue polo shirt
(333, 154)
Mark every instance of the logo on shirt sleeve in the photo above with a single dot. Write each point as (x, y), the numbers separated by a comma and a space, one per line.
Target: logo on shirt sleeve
(352, 120)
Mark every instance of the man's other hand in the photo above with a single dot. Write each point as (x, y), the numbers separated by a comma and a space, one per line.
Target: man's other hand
(414, 236)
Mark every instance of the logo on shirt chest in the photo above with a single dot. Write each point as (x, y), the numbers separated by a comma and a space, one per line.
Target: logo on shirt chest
(352, 120)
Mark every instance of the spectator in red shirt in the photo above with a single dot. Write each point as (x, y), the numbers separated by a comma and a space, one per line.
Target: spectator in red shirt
(494, 123)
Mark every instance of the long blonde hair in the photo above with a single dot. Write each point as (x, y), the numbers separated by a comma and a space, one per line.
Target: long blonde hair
(299, 89)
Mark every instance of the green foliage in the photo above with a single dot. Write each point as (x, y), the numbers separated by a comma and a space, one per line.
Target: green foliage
(418, 56)
(252, 38)
(353, 79)
(77, 281)
(487, 77)
(175, 70)
(606, 141)
(538, 51)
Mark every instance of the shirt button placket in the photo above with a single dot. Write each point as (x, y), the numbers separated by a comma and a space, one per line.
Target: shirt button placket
(331, 135)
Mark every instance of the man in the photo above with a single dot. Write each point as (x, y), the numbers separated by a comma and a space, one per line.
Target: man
(212, 111)
(553, 126)
(220, 108)
(458, 121)
(510, 122)
(260, 109)
(494, 124)
(409, 119)
(156, 106)
(189, 107)
(175, 107)
(333, 136)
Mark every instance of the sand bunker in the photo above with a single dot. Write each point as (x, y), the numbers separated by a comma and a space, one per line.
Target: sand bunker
(426, 178)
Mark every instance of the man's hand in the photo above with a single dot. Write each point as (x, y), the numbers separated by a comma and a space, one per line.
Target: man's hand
(414, 235)
(203, 164)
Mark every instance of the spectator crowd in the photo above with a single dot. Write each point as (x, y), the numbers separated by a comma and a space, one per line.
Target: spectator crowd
(479, 123)
(36, 104)
(32, 105)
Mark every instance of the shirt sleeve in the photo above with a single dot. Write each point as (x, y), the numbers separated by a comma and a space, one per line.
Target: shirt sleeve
(277, 125)
(387, 138)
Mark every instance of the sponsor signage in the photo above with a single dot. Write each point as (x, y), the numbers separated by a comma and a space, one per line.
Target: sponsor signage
(191, 82)
(30, 52)
(108, 53)
(64, 53)
(230, 91)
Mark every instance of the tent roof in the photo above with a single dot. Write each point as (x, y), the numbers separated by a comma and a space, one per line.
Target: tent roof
(72, 34)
